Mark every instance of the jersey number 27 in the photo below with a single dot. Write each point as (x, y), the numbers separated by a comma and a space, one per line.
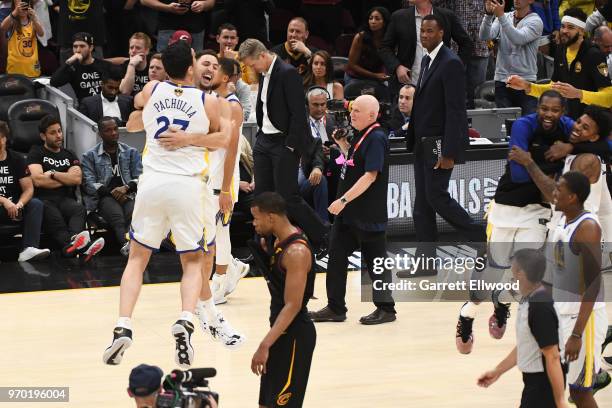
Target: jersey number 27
(165, 124)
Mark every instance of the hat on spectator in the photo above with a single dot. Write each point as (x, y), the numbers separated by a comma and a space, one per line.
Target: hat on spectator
(83, 36)
(145, 380)
(180, 35)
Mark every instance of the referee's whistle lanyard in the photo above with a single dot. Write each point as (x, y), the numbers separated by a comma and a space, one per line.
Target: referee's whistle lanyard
(341, 160)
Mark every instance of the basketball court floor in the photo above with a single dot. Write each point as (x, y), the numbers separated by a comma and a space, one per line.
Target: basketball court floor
(56, 338)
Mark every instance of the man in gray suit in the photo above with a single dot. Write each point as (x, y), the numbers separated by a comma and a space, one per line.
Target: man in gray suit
(311, 176)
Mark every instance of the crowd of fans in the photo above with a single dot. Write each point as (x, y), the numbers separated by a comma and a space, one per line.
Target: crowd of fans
(108, 50)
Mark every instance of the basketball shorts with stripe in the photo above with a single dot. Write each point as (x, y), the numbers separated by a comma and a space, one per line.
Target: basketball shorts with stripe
(582, 371)
(169, 202)
(288, 367)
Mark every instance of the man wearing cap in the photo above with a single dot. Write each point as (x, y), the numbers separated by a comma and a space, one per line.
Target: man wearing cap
(145, 384)
(82, 71)
(581, 70)
(180, 15)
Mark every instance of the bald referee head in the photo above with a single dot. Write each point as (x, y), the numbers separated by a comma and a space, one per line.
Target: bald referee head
(364, 111)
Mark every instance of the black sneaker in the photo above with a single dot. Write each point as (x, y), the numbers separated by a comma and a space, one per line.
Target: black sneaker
(122, 339)
(182, 331)
(497, 321)
(464, 339)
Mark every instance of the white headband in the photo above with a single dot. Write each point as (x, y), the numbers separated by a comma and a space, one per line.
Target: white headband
(573, 21)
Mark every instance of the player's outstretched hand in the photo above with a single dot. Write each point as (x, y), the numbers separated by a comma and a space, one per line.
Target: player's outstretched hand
(174, 138)
(488, 378)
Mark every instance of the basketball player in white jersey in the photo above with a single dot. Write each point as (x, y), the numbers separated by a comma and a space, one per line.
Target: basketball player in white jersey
(175, 174)
(225, 175)
(211, 320)
(575, 247)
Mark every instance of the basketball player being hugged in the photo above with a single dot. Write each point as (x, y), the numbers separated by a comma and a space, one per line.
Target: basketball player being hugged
(284, 355)
(208, 76)
(175, 173)
(225, 176)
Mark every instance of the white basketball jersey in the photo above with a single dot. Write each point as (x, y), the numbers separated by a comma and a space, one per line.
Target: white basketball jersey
(568, 280)
(217, 161)
(599, 198)
(181, 107)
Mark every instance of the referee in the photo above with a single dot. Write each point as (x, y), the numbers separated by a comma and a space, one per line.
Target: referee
(284, 355)
(537, 338)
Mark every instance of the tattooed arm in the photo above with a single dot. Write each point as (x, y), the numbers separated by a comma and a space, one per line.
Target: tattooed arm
(545, 184)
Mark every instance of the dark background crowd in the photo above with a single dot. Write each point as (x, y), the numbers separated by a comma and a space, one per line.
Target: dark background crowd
(108, 50)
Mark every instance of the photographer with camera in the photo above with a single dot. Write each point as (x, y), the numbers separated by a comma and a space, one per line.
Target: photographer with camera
(145, 385)
(179, 389)
(361, 213)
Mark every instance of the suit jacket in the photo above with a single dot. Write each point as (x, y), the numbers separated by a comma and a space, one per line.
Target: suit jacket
(91, 107)
(286, 108)
(401, 35)
(439, 107)
(315, 158)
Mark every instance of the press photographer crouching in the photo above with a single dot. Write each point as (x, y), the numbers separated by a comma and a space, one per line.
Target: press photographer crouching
(361, 214)
(179, 389)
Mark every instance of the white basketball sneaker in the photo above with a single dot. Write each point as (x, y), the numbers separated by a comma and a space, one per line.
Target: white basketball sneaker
(222, 331)
(218, 288)
(236, 270)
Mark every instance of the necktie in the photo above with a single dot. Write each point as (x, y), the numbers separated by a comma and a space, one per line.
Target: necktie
(424, 69)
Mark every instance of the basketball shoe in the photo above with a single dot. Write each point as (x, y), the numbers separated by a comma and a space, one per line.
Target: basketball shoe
(78, 242)
(236, 270)
(497, 321)
(122, 340)
(464, 339)
(182, 331)
(222, 331)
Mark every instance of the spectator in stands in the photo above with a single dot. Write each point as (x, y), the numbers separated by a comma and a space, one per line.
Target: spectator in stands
(55, 173)
(602, 37)
(313, 184)
(398, 125)
(6, 7)
(518, 33)
(78, 17)
(227, 38)
(470, 13)
(22, 27)
(156, 69)
(364, 62)
(110, 179)
(294, 51)
(324, 17)
(587, 85)
(599, 17)
(247, 179)
(82, 71)
(404, 36)
(136, 69)
(16, 202)
(548, 10)
(250, 16)
(108, 102)
(180, 15)
(320, 72)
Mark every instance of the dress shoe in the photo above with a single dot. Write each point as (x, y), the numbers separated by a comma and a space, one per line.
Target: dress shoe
(326, 315)
(378, 316)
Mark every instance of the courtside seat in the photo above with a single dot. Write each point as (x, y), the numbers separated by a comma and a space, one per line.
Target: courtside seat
(360, 87)
(14, 88)
(24, 117)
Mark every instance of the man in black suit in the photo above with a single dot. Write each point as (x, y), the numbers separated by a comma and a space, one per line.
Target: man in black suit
(282, 137)
(438, 116)
(109, 102)
(403, 35)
